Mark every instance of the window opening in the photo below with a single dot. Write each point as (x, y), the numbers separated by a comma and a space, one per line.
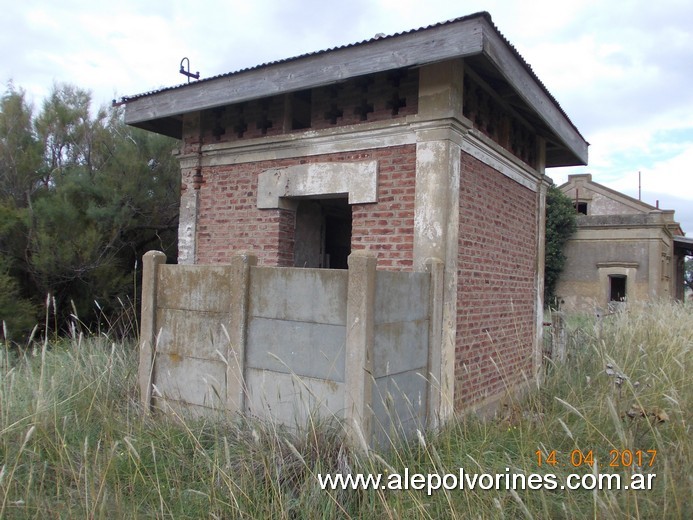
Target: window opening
(301, 115)
(581, 208)
(323, 233)
(617, 288)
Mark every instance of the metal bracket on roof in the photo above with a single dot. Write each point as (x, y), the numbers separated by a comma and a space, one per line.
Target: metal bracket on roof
(187, 72)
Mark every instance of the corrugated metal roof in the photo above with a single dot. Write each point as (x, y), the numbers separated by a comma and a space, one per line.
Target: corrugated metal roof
(484, 14)
(481, 14)
(684, 242)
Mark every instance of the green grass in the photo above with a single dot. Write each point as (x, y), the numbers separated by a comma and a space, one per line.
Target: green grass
(74, 443)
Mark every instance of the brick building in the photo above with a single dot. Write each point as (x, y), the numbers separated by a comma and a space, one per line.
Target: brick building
(623, 250)
(431, 143)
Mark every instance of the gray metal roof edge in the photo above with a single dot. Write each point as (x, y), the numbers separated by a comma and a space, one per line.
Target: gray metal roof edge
(481, 14)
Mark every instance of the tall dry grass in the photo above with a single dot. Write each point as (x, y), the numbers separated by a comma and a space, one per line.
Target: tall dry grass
(74, 443)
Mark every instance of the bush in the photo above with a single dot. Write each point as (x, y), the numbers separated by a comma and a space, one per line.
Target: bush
(560, 225)
(17, 315)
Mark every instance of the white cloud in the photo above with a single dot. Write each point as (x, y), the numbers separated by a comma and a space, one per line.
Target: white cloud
(673, 176)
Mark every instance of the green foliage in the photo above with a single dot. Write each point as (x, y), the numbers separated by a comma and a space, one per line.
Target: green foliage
(64, 127)
(17, 315)
(20, 150)
(82, 197)
(688, 273)
(560, 225)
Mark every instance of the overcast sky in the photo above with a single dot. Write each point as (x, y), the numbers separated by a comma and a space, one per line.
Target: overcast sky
(622, 71)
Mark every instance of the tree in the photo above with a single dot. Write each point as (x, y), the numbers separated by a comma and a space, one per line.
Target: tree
(18, 315)
(560, 225)
(20, 158)
(87, 199)
(688, 273)
(20, 151)
(113, 192)
(64, 127)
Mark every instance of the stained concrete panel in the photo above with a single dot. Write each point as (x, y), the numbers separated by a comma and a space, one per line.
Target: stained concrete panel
(309, 295)
(192, 334)
(399, 403)
(195, 287)
(400, 347)
(401, 296)
(186, 410)
(290, 399)
(195, 381)
(306, 349)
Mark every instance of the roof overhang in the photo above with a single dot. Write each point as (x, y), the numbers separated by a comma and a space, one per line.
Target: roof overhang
(684, 244)
(473, 38)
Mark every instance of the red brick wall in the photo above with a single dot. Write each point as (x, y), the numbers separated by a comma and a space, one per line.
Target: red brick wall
(229, 221)
(496, 283)
(387, 227)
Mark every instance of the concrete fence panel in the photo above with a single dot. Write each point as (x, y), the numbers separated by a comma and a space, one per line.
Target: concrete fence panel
(193, 313)
(400, 353)
(295, 350)
(284, 344)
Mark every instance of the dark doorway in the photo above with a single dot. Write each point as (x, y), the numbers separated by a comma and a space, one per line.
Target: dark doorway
(323, 233)
(617, 288)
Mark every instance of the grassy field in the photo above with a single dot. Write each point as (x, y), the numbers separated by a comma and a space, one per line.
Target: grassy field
(74, 443)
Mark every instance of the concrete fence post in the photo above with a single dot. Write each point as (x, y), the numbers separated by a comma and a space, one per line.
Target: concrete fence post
(238, 333)
(358, 377)
(558, 336)
(439, 404)
(148, 327)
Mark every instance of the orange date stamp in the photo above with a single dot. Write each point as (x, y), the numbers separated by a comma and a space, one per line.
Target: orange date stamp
(577, 458)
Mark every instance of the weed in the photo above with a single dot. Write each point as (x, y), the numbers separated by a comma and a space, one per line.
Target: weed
(74, 441)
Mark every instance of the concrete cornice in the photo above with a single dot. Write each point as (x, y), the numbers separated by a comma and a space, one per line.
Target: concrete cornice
(654, 219)
(620, 234)
(490, 153)
(365, 136)
(368, 136)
